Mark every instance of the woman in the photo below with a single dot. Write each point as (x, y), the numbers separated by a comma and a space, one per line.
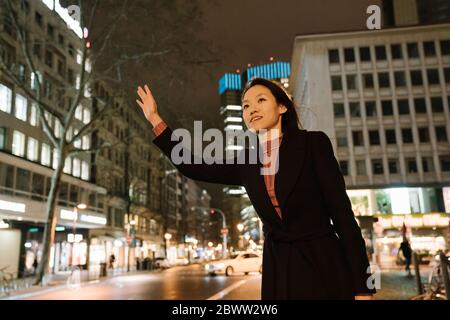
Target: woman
(313, 247)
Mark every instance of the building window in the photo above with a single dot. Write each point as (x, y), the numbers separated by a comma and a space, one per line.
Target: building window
(67, 165)
(339, 111)
(429, 49)
(407, 136)
(343, 164)
(445, 163)
(76, 167)
(32, 149)
(50, 31)
(416, 77)
(411, 165)
(361, 167)
(49, 59)
(400, 79)
(38, 19)
(61, 39)
(18, 143)
(336, 83)
(393, 166)
(23, 179)
(374, 137)
(37, 186)
(5, 98)
(45, 154)
(420, 105)
(427, 164)
(352, 83)
(364, 54)
(341, 137)
(86, 144)
(380, 53)
(355, 110)
(349, 55)
(367, 80)
(333, 56)
(441, 134)
(413, 50)
(433, 76)
(390, 136)
(86, 115)
(424, 135)
(84, 170)
(371, 110)
(403, 106)
(357, 138)
(58, 128)
(383, 80)
(377, 166)
(55, 159)
(20, 110)
(396, 51)
(437, 104)
(447, 75)
(33, 114)
(386, 107)
(445, 47)
(2, 138)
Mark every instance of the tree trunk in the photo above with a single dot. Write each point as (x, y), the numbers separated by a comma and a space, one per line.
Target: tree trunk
(52, 217)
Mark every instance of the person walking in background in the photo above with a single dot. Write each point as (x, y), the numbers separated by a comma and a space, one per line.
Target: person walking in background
(407, 253)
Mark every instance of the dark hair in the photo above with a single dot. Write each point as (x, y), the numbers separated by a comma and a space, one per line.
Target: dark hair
(289, 119)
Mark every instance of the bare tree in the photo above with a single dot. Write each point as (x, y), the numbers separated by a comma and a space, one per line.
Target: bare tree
(114, 50)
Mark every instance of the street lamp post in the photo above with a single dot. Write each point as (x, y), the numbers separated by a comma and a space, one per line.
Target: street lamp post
(167, 237)
(224, 227)
(80, 206)
(240, 227)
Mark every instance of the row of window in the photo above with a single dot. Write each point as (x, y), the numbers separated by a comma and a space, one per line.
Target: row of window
(436, 105)
(406, 135)
(22, 112)
(31, 149)
(383, 80)
(411, 50)
(21, 182)
(393, 167)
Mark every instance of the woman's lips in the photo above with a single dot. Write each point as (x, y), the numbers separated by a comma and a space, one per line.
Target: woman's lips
(255, 119)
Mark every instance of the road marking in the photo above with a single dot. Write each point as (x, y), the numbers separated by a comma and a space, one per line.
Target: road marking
(227, 290)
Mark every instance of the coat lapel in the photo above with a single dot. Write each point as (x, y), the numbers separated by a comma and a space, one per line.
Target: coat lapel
(291, 158)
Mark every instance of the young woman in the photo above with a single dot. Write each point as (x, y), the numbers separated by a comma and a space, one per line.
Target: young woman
(313, 247)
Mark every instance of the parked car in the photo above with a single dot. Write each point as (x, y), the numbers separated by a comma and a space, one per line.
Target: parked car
(180, 261)
(162, 263)
(239, 263)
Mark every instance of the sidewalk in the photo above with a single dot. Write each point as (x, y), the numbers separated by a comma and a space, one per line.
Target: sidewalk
(396, 285)
(64, 279)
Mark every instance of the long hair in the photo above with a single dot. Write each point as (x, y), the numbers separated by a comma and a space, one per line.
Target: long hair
(289, 119)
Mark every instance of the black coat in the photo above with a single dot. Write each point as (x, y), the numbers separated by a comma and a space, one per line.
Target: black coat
(316, 251)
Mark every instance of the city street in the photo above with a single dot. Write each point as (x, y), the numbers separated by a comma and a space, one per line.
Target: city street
(190, 283)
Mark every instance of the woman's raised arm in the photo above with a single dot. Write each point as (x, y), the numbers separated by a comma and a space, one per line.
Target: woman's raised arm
(166, 140)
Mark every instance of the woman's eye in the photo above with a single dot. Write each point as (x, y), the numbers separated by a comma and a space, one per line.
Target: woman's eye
(244, 107)
(261, 99)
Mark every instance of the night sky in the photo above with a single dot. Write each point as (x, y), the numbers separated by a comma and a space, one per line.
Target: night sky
(251, 31)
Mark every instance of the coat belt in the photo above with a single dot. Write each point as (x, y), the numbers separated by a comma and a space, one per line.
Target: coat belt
(285, 239)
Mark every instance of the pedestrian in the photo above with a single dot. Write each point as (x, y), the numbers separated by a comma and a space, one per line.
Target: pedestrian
(112, 259)
(305, 256)
(35, 265)
(407, 254)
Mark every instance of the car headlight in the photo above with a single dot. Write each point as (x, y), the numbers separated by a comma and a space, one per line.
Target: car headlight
(207, 266)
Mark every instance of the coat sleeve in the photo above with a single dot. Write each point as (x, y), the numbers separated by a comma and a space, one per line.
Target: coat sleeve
(333, 187)
(222, 172)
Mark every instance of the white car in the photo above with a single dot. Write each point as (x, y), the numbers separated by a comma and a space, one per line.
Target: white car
(242, 262)
(162, 263)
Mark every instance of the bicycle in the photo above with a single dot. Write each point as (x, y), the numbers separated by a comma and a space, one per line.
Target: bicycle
(435, 287)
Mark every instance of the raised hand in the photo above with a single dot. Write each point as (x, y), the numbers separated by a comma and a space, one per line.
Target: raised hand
(148, 105)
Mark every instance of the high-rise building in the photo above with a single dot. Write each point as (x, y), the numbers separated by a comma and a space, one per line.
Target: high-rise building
(415, 12)
(383, 98)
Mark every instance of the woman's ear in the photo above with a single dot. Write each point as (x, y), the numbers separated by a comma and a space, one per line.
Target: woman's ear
(283, 108)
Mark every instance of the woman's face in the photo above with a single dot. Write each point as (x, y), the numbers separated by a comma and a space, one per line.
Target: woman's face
(260, 109)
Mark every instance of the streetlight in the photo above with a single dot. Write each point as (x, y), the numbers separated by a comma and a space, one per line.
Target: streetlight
(224, 230)
(130, 234)
(240, 227)
(167, 236)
